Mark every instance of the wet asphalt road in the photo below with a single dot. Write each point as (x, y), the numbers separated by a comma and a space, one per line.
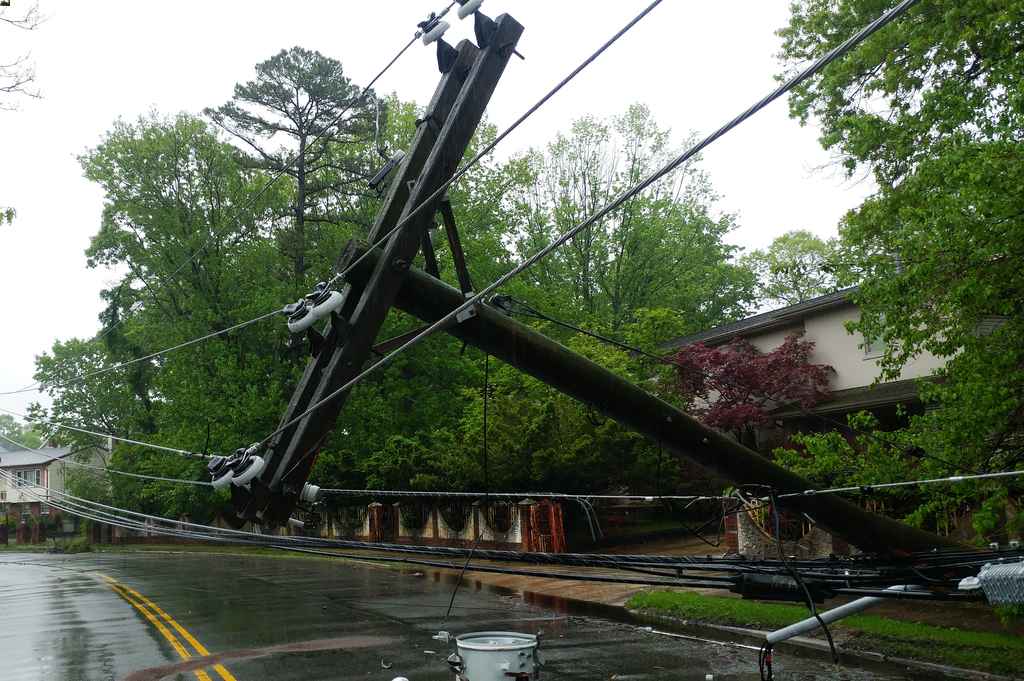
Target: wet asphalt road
(114, 616)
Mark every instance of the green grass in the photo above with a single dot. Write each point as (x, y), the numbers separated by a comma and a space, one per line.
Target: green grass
(987, 651)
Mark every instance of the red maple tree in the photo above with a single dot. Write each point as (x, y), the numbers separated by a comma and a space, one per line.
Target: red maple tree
(735, 386)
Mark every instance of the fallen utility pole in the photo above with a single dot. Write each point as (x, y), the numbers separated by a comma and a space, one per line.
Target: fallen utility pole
(430, 299)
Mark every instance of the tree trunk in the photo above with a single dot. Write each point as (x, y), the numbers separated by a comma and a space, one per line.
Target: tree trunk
(300, 216)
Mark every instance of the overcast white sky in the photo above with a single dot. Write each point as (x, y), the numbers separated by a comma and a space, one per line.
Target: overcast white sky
(696, 64)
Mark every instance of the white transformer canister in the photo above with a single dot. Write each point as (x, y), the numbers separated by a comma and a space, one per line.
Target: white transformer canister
(496, 656)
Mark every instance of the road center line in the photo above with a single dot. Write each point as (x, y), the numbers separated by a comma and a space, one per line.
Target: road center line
(140, 602)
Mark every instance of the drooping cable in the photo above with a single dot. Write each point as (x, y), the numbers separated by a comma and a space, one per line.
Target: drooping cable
(85, 431)
(104, 469)
(152, 355)
(904, 483)
(625, 196)
(773, 500)
(280, 172)
(518, 306)
(105, 512)
(511, 496)
(488, 148)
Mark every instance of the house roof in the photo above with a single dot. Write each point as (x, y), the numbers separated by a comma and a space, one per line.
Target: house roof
(783, 316)
(10, 456)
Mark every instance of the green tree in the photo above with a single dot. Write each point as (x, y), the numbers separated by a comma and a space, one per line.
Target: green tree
(664, 248)
(930, 106)
(796, 266)
(23, 434)
(302, 118)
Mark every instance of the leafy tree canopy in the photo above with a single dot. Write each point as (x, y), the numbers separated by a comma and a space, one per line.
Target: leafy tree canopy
(796, 267)
(21, 433)
(931, 107)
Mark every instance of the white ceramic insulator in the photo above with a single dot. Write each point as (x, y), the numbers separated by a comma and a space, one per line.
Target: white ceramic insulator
(300, 325)
(332, 304)
(434, 34)
(224, 480)
(469, 8)
(310, 493)
(246, 476)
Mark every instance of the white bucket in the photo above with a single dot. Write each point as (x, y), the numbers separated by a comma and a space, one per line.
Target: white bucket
(496, 656)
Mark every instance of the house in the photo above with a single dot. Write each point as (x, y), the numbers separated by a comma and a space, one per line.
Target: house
(38, 472)
(855, 361)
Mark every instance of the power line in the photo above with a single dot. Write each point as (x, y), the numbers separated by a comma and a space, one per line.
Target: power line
(281, 172)
(512, 305)
(64, 426)
(437, 193)
(625, 196)
(497, 140)
(843, 574)
(152, 355)
(903, 483)
(508, 496)
(105, 469)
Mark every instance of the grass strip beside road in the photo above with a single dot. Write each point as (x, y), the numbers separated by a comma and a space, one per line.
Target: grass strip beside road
(152, 612)
(985, 651)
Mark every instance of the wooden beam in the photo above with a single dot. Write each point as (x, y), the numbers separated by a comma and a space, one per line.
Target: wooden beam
(455, 244)
(533, 353)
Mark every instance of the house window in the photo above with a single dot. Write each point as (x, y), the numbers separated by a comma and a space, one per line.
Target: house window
(3, 496)
(29, 477)
(873, 347)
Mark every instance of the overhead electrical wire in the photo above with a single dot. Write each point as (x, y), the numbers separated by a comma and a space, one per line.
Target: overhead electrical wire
(511, 496)
(845, 570)
(85, 431)
(841, 578)
(489, 147)
(288, 543)
(104, 469)
(625, 196)
(152, 355)
(903, 483)
(515, 305)
(249, 202)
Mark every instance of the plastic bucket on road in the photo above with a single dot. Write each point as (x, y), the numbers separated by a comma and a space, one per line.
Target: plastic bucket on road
(496, 656)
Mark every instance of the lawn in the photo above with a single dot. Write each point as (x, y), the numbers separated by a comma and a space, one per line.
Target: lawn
(987, 651)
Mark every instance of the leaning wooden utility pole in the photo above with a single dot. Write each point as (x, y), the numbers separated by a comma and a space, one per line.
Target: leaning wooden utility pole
(443, 134)
(493, 332)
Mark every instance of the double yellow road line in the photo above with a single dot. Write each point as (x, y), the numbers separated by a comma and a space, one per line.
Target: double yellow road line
(154, 614)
